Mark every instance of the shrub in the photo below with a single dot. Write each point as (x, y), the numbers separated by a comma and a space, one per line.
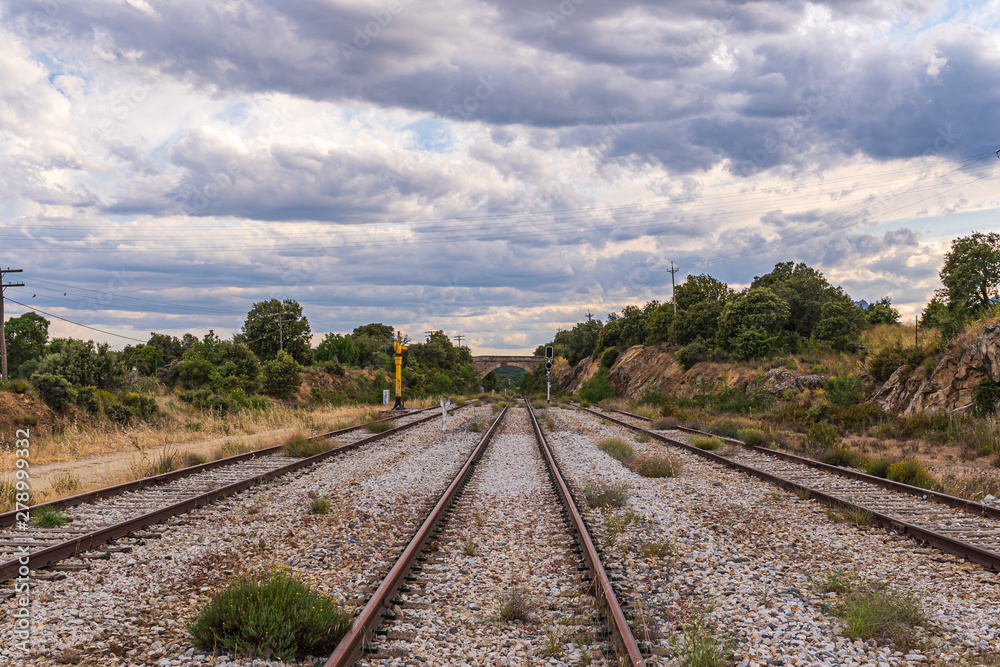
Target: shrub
(597, 388)
(600, 494)
(752, 437)
(300, 447)
(872, 610)
(691, 354)
(141, 406)
(55, 390)
(912, 472)
(270, 615)
(282, 376)
(657, 466)
(878, 467)
(840, 455)
(608, 357)
(584, 404)
(707, 442)
(663, 424)
(660, 549)
(119, 414)
(319, 505)
(87, 398)
(821, 434)
(856, 417)
(844, 392)
(885, 362)
(986, 394)
(618, 449)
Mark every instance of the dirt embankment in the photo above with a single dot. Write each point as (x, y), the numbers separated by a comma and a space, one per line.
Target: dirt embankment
(640, 369)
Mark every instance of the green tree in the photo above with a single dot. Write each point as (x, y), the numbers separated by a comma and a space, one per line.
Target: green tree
(660, 324)
(73, 360)
(700, 321)
(170, 347)
(971, 272)
(375, 330)
(697, 289)
(757, 308)
(26, 338)
(56, 390)
(840, 323)
(335, 347)
(269, 323)
(882, 312)
(803, 289)
(282, 376)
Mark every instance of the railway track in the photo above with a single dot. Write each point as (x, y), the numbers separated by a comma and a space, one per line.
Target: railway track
(102, 516)
(403, 596)
(955, 525)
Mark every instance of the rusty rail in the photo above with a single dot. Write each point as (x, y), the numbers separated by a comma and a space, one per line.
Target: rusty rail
(984, 557)
(83, 543)
(10, 518)
(620, 630)
(350, 647)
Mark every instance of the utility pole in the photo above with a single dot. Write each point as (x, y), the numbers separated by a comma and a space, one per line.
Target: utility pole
(428, 334)
(3, 335)
(590, 316)
(673, 286)
(916, 331)
(281, 328)
(459, 338)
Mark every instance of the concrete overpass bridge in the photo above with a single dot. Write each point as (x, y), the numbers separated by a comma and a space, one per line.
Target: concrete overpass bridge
(483, 365)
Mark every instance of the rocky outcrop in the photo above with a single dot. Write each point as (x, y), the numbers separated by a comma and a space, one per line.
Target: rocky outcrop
(780, 380)
(948, 386)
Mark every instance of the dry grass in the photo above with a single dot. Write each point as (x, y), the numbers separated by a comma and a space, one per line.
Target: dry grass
(882, 336)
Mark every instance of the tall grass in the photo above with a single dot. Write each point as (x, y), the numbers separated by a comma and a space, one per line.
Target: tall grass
(618, 449)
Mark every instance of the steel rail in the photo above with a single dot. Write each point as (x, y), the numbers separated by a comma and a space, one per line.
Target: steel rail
(970, 506)
(10, 518)
(63, 550)
(984, 557)
(352, 644)
(606, 599)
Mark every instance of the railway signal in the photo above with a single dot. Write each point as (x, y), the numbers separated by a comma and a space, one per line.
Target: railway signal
(548, 373)
(398, 349)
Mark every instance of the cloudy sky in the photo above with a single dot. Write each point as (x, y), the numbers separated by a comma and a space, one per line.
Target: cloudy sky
(493, 168)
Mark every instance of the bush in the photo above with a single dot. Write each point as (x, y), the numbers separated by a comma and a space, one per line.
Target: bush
(912, 472)
(282, 376)
(657, 466)
(663, 424)
(885, 362)
(844, 392)
(600, 494)
(300, 447)
(691, 354)
(514, 605)
(608, 358)
(597, 388)
(270, 615)
(856, 417)
(840, 455)
(821, 434)
(879, 467)
(751, 437)
(55, 390)
(986, 394)
(87, 398)
(584, 404)
(618, 449)
(707, 442)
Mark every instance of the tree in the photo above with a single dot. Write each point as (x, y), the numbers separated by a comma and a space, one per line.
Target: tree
(170, 347)
(840, 323)
(696, 289)
(282, 376)
(375, 330)
(758, 308)
(660, 324)
(700, 321)
(804, 289)
(971, 272)
(882, 312)
(335, 347)
(26, 338)
(273, 324)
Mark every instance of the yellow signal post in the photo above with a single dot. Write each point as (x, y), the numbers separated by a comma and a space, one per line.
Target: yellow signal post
(398, 348)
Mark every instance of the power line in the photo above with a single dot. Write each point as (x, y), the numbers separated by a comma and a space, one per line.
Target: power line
(110, 333)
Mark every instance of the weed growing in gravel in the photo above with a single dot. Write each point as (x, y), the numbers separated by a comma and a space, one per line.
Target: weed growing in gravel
(584, 404)
(514, 605)
(480, 515)
(706, 442)
(538, 405)
(663, 424)
(550, 423)
(657, 466)
(192, 459)
(301, 447)
(873, 610)
(49, 517)
(270, 615)
(836, 580)
(803, 494)
(858, 516)
(775, 495)
(475, 427)
(65, 482)
(618, 449)
(601, 494)
(617, 523)
(379, 426)
(660, 549)
(642, 438)
(834, 516)
(318, 504)
(469, 548)
(553, 642)
(701, 644)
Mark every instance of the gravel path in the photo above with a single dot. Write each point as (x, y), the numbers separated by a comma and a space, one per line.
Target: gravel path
(131, 608)
(506, 534)
(745, 558)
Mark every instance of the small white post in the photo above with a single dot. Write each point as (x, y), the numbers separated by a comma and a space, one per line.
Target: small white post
(445, 402)
(385, 397)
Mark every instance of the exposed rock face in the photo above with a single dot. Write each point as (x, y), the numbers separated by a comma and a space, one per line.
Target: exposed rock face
(781, 379)
(948, 387)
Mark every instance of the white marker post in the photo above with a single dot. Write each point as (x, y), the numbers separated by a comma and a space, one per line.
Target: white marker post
(445, 402)
(385, 397)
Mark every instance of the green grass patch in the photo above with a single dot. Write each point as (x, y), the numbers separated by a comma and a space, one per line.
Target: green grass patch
(618, 449)
(270, 615)
(663, 424)
(379, 426)
(707, 442)
(49, 517)
(873, 610)
(658, 549)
